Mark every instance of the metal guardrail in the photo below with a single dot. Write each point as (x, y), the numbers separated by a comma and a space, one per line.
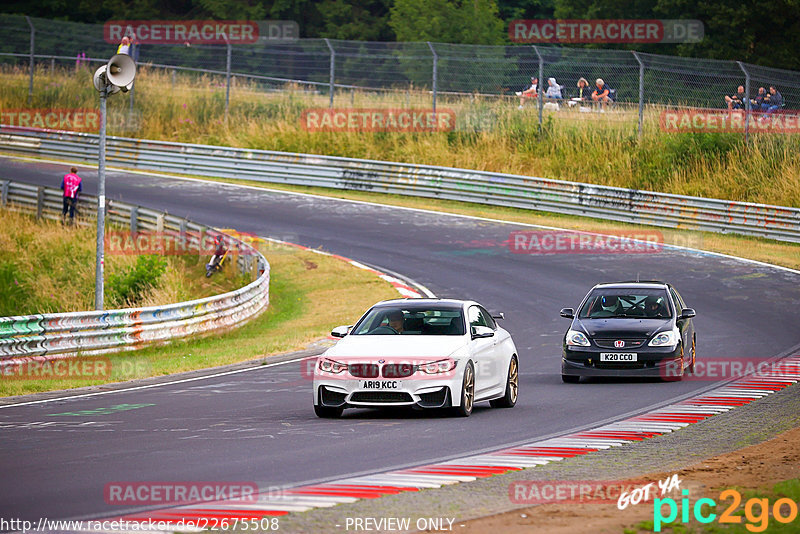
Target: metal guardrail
(558, 196)
(91, 332)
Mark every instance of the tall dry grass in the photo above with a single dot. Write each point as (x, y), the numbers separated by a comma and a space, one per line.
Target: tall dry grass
(46, 267)
(491, 134)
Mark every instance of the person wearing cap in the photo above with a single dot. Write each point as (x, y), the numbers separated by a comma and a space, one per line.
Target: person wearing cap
(530, 92)
(601, 93)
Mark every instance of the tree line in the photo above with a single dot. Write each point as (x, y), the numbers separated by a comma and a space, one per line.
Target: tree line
(763, 33)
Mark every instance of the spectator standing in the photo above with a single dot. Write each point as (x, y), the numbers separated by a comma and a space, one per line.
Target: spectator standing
(736, 101)
(124, 46)
(530, 92)
(71, 184)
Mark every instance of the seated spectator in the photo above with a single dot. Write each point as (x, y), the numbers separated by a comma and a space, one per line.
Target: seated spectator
(736, 101)
(553, 89)
(601, 93)
(530, 92)
(773, 101)
(582, 93)
(757, 102)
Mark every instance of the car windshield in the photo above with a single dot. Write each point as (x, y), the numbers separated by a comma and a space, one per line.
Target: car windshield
(422, 321)
(626, 303)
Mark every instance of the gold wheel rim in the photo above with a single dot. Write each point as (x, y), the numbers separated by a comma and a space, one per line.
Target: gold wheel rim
(469, 389)
(513, 379)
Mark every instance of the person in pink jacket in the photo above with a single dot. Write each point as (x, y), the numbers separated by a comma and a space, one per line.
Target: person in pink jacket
(71, 184)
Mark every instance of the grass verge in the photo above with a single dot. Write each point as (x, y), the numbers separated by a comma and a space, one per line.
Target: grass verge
(309, 294)
(48, 267)
(491, 134)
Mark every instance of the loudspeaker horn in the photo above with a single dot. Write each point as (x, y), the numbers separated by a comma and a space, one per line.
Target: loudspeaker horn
(121, 70)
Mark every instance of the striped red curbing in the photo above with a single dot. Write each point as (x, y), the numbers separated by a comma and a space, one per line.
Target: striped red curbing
(661, 421)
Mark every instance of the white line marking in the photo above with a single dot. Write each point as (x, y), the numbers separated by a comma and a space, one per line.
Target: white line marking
(148, 386)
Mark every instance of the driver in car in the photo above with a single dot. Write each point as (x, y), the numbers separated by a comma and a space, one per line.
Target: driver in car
(396, 321)
(652, 307)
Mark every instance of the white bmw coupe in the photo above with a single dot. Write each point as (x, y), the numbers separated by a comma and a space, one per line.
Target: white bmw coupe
(429, 353)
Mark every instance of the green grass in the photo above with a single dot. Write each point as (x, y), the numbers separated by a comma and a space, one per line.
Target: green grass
(491, 134)
(309, 295)
(47, 267)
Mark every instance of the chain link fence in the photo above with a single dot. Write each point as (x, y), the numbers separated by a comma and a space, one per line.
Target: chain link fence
(337, 68)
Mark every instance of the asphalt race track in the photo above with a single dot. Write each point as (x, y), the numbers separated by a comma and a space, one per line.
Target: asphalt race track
(259, 426)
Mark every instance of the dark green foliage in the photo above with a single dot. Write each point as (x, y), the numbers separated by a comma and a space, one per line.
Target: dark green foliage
(131, 285)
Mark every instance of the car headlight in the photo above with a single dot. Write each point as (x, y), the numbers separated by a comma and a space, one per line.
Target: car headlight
(439, 366)
(670, 338)
(331, 366)
(577, 339)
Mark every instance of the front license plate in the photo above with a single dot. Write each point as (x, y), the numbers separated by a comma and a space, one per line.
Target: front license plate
(618, 356)
(380, 384)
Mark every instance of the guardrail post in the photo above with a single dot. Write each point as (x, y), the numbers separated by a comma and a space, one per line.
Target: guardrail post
(134, 219)
(39, 202)
(160, 223)
(32, 65)
(4, 193)
(331, 83)
(182, 226)
(435, 74)
(174, 74)
(227, 77)
(540, 96)
(641, 91)
(747, 105)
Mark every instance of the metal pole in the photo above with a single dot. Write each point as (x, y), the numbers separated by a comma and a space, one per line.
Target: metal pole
(101, 205)
(641, 92)
(33, 46)
(435, 74)
(227, 77)
(133, 86)
(540, 97)
(747, 106)
(331, 84)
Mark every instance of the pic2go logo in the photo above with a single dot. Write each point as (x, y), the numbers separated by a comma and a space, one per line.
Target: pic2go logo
(756, 511)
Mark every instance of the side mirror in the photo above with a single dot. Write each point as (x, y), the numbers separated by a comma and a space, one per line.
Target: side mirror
(687, 313)
(567, 313)
(498, 315)
(481, 331)
(341, 331)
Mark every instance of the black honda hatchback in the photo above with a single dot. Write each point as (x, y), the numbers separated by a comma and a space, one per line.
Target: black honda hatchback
(629, 329)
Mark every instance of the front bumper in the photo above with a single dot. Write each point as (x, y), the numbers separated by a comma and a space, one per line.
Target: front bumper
(424, 393)
(651, 362)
